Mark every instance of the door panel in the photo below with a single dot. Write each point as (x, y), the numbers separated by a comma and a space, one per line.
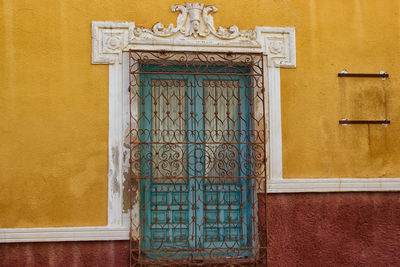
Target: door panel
(165, 189)
(194, 192)
(224, 191)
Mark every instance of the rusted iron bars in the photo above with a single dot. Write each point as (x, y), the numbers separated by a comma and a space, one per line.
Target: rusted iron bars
(198, 160)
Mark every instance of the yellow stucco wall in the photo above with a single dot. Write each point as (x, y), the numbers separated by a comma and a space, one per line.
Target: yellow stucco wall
(54, 103)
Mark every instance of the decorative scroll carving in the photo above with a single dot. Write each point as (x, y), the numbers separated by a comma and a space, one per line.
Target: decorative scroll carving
(197, 21)
(194, 30)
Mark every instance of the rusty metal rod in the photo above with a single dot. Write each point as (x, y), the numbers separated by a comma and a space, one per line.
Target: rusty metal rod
(364, 121)
(362, 75)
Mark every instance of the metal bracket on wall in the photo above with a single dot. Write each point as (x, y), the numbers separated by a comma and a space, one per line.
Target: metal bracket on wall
(345, 122)
(382, 74)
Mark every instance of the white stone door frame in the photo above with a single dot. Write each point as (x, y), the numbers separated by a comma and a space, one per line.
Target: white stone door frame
(112, 42)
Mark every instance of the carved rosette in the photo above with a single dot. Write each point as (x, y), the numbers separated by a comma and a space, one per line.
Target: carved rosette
(108, 41)
(279, 45)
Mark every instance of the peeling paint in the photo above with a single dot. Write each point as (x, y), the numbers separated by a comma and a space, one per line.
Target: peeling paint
(125, 193)
(115, 158)
(124, 155)
(126, 179)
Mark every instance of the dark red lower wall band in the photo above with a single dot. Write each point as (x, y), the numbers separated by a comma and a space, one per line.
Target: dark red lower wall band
(68, 254)
(329, 229)
(334, 229)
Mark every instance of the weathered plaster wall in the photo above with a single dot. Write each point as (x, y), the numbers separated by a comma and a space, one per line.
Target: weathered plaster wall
(335, 229)
(340, 229)
(54, 103)
(73, 254)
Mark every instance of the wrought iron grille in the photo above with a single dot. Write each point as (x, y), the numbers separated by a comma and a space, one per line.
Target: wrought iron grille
(197, 158)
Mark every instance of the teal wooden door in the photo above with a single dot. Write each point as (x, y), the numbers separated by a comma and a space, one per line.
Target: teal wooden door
(196, 199)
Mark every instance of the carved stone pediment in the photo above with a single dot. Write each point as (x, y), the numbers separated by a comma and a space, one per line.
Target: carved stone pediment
(194, 30)
(195, 20)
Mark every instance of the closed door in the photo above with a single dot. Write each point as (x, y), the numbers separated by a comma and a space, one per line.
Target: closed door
(195, 159)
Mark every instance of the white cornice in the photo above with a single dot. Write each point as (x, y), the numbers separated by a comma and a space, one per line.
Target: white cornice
(52, 234)
(291, 185)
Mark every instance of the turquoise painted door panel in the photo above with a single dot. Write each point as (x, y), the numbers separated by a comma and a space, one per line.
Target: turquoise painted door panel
(165, 190)
(195, 196)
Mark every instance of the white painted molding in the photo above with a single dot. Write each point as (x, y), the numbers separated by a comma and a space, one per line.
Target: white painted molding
(333, 185)
(52, 234)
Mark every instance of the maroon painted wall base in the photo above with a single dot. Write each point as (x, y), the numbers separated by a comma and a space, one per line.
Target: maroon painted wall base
(330, 229)
(334, 229)
(69, 254)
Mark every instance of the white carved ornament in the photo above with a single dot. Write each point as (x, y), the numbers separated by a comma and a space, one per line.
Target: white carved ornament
(197, 21)
(194, 30)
